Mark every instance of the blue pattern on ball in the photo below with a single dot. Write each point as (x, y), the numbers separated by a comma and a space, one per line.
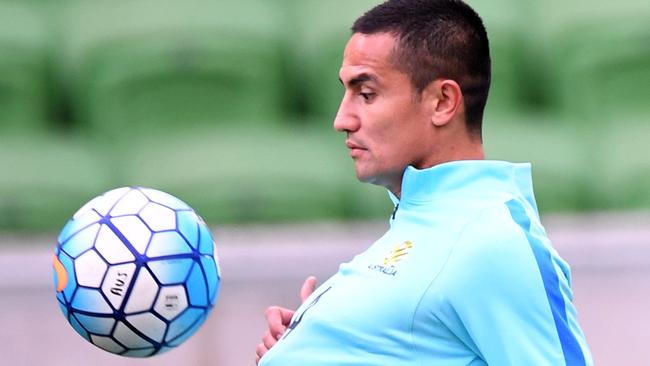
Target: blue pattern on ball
(210, 271)
(188, 227)
(206, 245)
(183, 324)
(196, 287)
(81, 241)
(189, 332)
(96, 325)
(90, 300)
(172, 271)
(76, 326)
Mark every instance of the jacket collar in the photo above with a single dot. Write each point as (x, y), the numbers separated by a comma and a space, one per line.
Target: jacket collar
(465, 178)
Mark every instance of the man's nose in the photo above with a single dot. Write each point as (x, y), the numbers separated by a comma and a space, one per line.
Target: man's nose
(346, 119)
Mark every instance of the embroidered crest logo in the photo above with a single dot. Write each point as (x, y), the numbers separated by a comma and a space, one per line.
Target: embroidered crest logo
(396, 255)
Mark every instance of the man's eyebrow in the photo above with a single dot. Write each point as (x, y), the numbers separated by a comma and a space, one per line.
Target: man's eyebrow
(361, 78)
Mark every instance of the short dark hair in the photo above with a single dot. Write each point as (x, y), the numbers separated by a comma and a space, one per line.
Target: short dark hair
(437, 39)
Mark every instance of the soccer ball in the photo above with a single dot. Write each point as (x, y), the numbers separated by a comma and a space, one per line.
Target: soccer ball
(135, 271)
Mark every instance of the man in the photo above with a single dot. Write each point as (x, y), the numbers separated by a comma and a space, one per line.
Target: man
(465, 275)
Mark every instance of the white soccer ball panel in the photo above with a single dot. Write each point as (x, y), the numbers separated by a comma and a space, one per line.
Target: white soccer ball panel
(106, 343)
(128, 338)
(149, 325)
(130, 204)
(90, 269)
(81, 241)
(217, 262)
(172, 300)
(165, 199)
(118, 278)
(88, 207)
(143, 293)
(102, 204)
(158, 217)
(105, 202)
(134, 230)
(167, 243)
(111, 247)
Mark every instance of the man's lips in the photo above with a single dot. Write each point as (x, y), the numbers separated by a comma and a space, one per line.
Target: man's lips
(355, 149)
(353, 145)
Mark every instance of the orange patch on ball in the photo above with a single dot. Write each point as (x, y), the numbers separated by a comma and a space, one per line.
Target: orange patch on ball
(61, 274)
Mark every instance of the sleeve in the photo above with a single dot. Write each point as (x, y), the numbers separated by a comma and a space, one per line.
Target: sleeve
(504, 292)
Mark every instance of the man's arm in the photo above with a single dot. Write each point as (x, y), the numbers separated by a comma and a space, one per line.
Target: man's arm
(278, 319)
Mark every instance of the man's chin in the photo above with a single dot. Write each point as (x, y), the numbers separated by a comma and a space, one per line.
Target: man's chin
(366, 177)
(388, 181)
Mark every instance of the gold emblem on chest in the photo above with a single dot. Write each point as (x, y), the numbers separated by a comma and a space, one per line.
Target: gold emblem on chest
(398, 253)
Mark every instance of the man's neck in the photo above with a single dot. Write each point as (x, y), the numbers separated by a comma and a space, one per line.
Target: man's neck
(472, 152)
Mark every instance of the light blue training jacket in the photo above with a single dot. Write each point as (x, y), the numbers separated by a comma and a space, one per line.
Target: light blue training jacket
(464, 276)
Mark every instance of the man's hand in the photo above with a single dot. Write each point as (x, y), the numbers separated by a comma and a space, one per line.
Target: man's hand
(278, 319)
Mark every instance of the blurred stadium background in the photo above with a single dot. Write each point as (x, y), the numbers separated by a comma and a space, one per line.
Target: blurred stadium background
(229, 105)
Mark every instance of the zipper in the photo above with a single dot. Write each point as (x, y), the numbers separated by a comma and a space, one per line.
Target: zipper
(395, 211)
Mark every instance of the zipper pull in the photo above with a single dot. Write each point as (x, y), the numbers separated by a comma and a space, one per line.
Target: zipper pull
(395, 211)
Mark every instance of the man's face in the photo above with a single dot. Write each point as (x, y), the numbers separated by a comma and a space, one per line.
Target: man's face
(387, 124)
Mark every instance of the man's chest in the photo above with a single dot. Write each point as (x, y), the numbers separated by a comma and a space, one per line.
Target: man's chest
(376, 295)
(374, 311)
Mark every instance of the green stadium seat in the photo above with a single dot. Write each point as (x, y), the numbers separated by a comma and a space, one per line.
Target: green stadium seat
(322, 28)
(578, 167)
(605, 72)
(512, 89)
(137, 67)
(623, 166)
(23, 68)
(46, 178)
(261, 174)
(563, 170)
(183, 96)
(597, 58)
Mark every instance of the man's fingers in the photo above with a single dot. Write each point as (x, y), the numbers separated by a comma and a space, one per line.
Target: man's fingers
(278, 320)
(269, 340)
(260, 350)
(307, 288)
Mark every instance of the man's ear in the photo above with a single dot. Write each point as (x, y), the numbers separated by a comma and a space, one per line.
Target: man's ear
(446, 102)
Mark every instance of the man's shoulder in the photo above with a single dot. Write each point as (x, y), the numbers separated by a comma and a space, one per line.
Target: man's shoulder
(499, 229)
(492, 250)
